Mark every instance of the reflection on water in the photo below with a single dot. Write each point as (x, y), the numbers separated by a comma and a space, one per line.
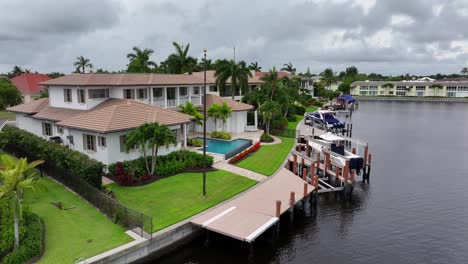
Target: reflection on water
(415, 209)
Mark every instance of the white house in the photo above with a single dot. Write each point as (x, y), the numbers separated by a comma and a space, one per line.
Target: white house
(92, 113)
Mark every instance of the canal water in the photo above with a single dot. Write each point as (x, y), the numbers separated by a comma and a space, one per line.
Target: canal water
(415, 209)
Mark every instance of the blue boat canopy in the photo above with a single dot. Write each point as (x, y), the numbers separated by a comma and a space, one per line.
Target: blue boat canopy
(347, 97)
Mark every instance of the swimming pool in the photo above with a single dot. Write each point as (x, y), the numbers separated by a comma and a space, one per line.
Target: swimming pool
(229, 148)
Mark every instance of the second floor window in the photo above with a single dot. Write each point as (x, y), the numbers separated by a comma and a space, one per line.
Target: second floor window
(46, 129)
(196, 90)
(98, 93)
(67, 95)
(183, 91)
(60, 130)
(129, 93)
(142, 93)
(81, 96)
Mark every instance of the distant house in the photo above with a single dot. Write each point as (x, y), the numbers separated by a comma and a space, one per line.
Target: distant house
(28, 85)
(411, 88)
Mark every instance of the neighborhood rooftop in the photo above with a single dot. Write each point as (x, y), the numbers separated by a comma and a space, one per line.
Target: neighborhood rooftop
(234, 105)
(411, 83)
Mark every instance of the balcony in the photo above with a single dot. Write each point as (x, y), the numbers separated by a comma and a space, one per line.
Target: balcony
(159, 102)
(196, 100)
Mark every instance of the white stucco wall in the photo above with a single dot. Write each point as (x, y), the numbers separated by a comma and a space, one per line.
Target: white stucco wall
(56, 97)
(235, 124)
(29, 124)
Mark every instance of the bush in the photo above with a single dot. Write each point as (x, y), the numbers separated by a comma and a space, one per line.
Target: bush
(221, 135)
(195, 142)
(266, 138)
(245, 153)
(296, 110)
(279, 123)
(170, 164)
(30, 237)
(72, 161)
(291, 118)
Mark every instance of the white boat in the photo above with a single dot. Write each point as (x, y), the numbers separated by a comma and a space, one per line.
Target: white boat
(324, 119)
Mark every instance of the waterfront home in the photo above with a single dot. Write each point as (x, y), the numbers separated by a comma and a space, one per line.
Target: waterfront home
(92, 113)
(29, 85)
(411, 88)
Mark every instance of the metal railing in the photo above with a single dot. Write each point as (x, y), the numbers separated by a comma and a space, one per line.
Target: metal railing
(118, 213)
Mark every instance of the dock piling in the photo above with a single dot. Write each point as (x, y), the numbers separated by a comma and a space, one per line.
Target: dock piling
(292, 202)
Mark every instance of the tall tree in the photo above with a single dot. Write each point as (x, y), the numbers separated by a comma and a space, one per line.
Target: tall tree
(9, 95)
(17, 176)
(82, 63)
(255, 67)
(214, 111)
(270, 82)
(268, 110)
(191, 109)
(179, 62)
(140, 60)
(150, 136)
(17, 70)
(289, 68)
(328, 77)
(237, 73)
(224, 113)
(464, 71)
(351, 71)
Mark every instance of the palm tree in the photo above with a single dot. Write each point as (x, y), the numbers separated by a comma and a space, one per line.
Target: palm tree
(17, 70)
(225, 112)
(150, 136)
(387, 86)
(214, 111)
(271, 82)
(436, 88)
(180, 62)
(289, 68)
(140, 60)
(269, 109)
(191, 109)
(328, 77)
(17, 176)
(464, 71)
(82, 63)
(237, 73)
(255, 67)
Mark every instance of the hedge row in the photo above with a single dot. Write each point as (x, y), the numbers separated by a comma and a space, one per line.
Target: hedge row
(30, 237)
(170, 164)
(69, 160)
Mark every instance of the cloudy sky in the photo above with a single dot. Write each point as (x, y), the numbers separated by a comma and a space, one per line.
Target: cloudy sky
(386, 36)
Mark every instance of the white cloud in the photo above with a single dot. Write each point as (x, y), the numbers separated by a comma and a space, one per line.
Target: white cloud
(401, 20)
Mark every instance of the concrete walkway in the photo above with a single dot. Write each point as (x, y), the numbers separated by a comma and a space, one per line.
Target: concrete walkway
(240, 171)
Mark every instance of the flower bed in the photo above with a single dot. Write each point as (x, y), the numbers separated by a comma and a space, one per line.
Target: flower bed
(245, 153)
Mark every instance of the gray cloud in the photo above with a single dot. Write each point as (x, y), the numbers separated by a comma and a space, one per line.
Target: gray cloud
(388, 36)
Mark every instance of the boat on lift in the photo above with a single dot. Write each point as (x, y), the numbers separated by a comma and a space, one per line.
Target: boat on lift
(324, 119)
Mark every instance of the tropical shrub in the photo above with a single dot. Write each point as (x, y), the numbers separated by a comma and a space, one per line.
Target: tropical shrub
(195, 142)
(221, 135)
(266, 138)
(296, 110)
(245, 153)
(279, 123)
(170, 164)
(291, 118)
(69, 160)
(30, 231)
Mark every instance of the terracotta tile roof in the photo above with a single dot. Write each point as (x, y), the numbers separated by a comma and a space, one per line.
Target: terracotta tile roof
(211, 79)
(235, 106)
(123, 79)
(57, 114)
(31, 107)
(120, 114)
(28, 83)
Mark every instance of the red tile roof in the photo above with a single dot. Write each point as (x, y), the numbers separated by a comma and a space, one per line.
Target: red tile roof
(235, 106)
(28, 83)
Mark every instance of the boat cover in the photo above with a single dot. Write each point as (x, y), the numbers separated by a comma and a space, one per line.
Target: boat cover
(347, 97)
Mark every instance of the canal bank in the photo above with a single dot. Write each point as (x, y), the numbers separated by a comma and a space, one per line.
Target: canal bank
(413, 211)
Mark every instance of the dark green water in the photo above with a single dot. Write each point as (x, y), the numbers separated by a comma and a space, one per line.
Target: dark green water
(415, 209)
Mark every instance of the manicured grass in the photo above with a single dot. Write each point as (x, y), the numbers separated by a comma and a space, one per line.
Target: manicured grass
(268, 158)
(7, 115)
(178, 197)
(293, 125)
(311, 108)
(75, 233)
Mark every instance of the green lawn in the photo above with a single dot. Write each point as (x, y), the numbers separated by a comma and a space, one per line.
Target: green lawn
(76, 233)
(268, 158)
(7, 115)
(293, 125)
(311, 109)
(178, 197)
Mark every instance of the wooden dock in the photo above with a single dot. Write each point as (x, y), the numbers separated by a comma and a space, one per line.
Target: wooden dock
(249, 215)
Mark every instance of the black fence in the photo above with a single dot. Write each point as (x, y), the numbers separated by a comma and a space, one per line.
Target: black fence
(119, 214)
(289, 133)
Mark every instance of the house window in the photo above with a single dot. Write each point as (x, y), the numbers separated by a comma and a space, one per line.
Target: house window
(70, 139)
(122, 140)
(157, 92)
(46, 129)
(381, 92)
(398, 93)
(102, 141)
(420, 88)
(81, 96)
(89, 142)
(129, 93)
(196, 90)
(183, 91)
(213, 89)
(390, 92)
(451, 94)
(400, 88)
(420, 93)
(67, 95)
(98, 93)
(60, 130)
(142, 93)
